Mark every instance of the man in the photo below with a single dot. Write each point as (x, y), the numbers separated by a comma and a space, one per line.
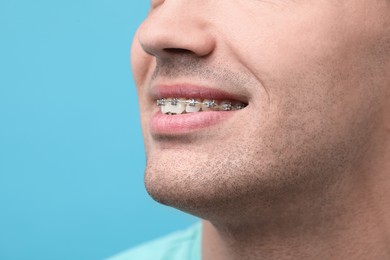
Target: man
(270, 121)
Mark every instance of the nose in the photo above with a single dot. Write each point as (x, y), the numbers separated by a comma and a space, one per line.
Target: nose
(176, 27)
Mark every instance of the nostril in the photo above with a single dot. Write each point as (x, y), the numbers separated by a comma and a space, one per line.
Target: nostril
(177, 51)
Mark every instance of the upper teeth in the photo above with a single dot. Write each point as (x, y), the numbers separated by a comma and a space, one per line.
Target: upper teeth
(182, 105)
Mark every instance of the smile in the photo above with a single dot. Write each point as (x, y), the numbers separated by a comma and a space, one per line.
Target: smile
(186, 108)
(177, 106)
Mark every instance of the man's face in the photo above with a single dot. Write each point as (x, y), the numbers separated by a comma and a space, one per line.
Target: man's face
(313, 75)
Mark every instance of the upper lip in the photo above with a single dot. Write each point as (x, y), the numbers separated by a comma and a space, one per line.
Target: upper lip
(159, 91)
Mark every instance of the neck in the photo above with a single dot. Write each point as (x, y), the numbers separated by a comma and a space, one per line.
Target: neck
(350, 222)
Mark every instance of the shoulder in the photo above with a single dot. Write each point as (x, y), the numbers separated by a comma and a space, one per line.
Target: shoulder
(185, 244)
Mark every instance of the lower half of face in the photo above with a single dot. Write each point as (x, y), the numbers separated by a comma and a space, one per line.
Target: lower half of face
(315, 107)
(298, 150)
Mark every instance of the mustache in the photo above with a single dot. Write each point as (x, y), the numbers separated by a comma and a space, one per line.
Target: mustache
(188, 66)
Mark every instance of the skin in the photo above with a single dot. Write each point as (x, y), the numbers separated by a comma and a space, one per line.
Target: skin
(303, 172)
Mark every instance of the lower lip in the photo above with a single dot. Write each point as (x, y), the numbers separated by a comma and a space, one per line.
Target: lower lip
(162, 124)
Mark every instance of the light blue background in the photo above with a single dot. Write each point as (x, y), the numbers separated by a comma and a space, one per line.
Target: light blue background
(71, 152)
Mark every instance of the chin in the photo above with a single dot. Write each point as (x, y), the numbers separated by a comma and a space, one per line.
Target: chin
(182, 190)
(207, 187)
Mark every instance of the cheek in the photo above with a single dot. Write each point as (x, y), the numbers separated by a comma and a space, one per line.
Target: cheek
(141, 63)
(286, 43)
(142, 66)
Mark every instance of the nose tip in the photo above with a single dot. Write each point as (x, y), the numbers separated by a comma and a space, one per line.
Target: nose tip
(170, 30)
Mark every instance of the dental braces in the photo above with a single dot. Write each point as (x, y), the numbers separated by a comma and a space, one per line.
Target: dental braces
(207, 104)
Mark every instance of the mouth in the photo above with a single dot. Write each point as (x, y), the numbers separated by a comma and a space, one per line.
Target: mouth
(178, 106)
(186, 109)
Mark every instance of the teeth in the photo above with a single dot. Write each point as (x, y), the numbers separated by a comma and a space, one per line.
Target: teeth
(165, 109)
(208, 104)
(192, 102)
(173, 106)
(161, 102)
(182, 105)
(238, 106)
(193, 106)
(226, 105)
